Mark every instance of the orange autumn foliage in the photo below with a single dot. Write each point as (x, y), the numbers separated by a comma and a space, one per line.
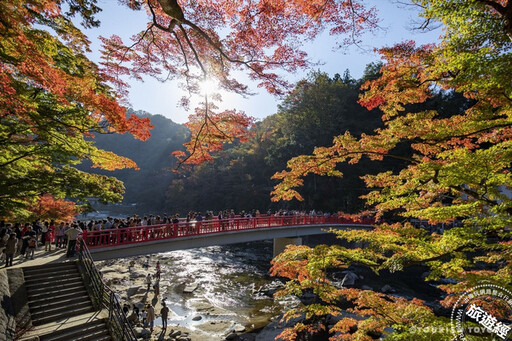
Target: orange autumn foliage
(49, 208)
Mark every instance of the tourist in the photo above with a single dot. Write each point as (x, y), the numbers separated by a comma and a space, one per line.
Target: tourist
(65, 236)
(72, 235)
(136, 310)
(48, 240)
(24, 239)
(3, 241)
(37, 226)
(59, 235)
(44, 231)
(17, 230)
(156, 287)
(10, 249)
(158, 270)
(32, 243)
(164, 312)
(148, 282)
(144, 316)
(151, 316)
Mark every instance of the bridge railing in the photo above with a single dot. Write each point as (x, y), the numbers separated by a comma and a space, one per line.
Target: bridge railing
(138, 234)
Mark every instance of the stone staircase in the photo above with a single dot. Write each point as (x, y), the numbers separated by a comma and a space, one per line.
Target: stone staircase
(92, 331)
(60, 306)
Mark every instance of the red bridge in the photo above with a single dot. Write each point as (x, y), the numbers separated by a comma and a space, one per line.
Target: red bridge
(131, 241)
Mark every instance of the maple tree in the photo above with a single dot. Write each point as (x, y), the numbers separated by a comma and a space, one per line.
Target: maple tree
(456, 167)
(194, 41)
(49, 208)
(53, 100)
(54, 96)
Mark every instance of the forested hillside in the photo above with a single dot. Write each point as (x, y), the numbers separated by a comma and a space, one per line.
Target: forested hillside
(240, 177)
(146, 187)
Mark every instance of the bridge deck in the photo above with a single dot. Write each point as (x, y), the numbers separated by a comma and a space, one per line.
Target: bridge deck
(140, 240)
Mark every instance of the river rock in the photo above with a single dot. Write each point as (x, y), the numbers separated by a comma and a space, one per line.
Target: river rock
(447, 281)
(238, 328)
(387, 289)
(142, 332)
(275, 328)
(349, 278)
(196, 318)
(132, 291)
(232, 337)
(308, 298)
(134, 275)
(175, 334)
(190, 288)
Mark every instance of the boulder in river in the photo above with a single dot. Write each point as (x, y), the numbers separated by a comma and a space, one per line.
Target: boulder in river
(175, 334)
(142, 332)
(134, 275)
(349, 278)
(232, 337)
(190, 288)
(387, 289)
(238, 328)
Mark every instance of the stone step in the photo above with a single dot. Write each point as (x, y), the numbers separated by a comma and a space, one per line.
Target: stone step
(50, 272)
(52, 303)
(63, 324)
(52, 277)
(59, 296)
(48, 268)
(91, 331)
(61, 289)
(53, 286)
(57, 314)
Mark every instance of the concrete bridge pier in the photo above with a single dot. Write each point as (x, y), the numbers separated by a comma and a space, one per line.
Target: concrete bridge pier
(281, 243)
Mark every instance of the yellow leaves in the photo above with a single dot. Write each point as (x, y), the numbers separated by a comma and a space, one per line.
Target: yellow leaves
(110, 161)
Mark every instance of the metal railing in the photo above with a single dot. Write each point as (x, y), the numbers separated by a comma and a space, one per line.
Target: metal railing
(138, 234)
(103, 297)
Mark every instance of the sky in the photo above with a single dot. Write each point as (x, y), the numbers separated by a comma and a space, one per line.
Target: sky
(397, 24)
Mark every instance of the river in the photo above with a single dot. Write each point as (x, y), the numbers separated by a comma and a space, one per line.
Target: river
(233, 286)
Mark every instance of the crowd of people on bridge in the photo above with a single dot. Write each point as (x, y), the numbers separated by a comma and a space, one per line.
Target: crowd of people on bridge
(22, 239)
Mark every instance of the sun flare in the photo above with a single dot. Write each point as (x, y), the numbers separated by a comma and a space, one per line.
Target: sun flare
(208, 86)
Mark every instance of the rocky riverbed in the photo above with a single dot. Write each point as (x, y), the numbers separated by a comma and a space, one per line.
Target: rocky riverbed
(211, 292)
(225, 292)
